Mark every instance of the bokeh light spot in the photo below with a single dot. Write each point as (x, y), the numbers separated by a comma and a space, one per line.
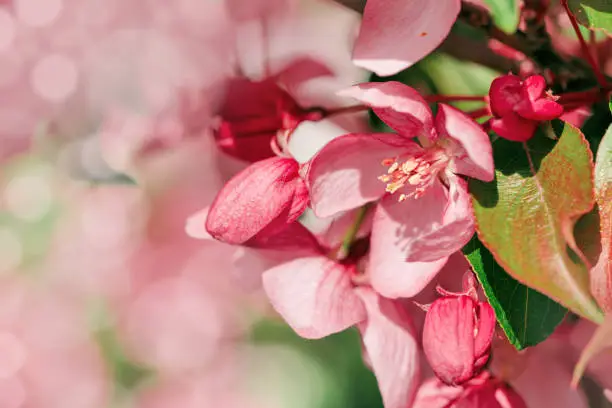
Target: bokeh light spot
(12, 354)
(7, 30)
(37, 13)
(54, 78)
(28, 197)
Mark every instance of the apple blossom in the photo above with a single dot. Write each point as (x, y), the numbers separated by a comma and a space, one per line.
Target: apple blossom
(519, 105)
(318, 296)
(424, 213)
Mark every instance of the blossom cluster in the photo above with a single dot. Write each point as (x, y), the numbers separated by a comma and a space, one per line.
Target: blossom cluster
(280, 161)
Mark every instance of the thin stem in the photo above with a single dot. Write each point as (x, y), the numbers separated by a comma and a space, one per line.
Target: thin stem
(601, 79)
(352, 232)
(479, 113)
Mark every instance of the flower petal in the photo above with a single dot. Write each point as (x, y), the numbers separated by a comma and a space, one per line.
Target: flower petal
(398, 105)
(397, 33)
(344, 174)
(433, 226)
(513, 127)
(196, 225)
(314, 295)
(393, 277)
(448, 338)
(473, 154)
(503, 94)
(268, 195)
(391, 347)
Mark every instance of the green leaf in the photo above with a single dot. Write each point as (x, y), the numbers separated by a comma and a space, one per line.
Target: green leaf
(505, 14)
(527, 316)
(593, 14)
(526, 216)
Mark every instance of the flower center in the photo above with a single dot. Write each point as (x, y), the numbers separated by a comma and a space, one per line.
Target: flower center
(417, 171)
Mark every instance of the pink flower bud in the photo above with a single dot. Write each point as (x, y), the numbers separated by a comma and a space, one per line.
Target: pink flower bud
(457, 337)
(518, 106)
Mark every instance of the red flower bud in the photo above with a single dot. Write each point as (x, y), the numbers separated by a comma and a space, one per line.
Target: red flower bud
(457, 337)
(252, 116)
(518, 106)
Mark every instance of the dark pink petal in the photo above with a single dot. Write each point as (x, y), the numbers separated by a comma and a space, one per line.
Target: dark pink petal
(389, 340)
(534, 86)
(540, 109)
(292, 237)
(448, 338)
(486, 327)
(267, 195)
(398, 105)
(472, 153)
(397, 33)
(513, 127)
(577, 116)
(314, 295)
(344, 174)
(504, 94)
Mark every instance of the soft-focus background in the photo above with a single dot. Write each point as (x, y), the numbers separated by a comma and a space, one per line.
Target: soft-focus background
(105, 148)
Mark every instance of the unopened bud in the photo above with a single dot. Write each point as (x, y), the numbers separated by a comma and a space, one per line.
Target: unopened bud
(457, 337)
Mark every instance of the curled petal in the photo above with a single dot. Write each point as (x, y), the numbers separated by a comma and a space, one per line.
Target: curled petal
(513, 127)
(314, 295)
(344, 174)
(397, 33)
(486, 328)
(534, 86)
(391, 348)
(540, 109)
(472, 152)
(398, 105)
(263, 198)
(504, 93)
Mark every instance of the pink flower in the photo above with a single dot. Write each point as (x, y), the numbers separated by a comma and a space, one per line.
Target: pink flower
(481, 392)
(397, 33)
(425, 212)
(518, 106)
(318, 296)
(457, 336)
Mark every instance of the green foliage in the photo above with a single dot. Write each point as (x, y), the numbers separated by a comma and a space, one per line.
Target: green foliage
(506, 14)
(526, 216)
(526, 316)
(593, 14)
(350, 383)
